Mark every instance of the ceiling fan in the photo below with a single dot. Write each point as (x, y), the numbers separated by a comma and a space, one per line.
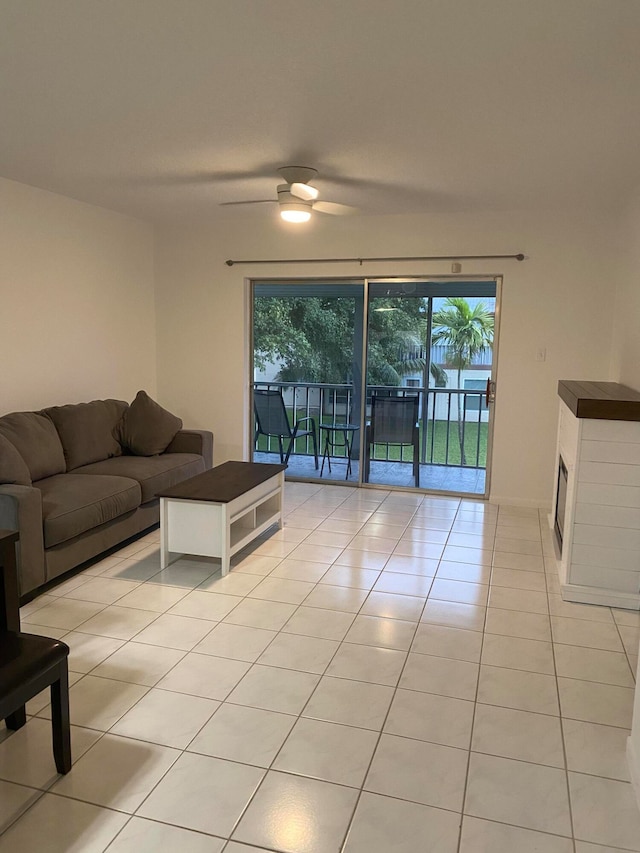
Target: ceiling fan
(297, 198)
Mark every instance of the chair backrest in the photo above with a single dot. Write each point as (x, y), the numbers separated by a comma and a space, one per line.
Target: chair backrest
(9, 596)
(271, 413)
(393, 419)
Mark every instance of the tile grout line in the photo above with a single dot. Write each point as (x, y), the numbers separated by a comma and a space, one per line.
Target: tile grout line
(473, 717)
(342, 846)
(561, 721)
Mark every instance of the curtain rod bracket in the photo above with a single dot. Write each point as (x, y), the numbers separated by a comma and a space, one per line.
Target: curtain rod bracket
(519, 257)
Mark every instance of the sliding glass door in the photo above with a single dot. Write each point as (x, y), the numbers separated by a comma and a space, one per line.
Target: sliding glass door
(337, 356)
(432, 341)
(308, 349)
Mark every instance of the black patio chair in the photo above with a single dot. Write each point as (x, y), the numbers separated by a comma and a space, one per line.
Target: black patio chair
(394, 420)
(29, 663)
(272, 419)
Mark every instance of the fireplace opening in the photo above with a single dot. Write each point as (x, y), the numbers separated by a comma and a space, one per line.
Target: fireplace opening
(561, 501)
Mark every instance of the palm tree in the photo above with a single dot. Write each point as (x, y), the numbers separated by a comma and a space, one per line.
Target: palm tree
(465, 331)
(403, 355)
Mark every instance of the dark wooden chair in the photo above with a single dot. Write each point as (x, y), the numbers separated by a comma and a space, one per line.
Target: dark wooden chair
(394, 420)
(29, 663)
(272, 419)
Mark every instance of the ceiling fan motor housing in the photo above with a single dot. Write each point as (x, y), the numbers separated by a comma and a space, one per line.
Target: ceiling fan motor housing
(298, 174)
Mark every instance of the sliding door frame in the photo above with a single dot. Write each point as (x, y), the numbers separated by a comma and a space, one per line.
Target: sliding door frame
(366, 281)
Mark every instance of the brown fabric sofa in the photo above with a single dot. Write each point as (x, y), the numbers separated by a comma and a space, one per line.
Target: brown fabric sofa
(72, 488)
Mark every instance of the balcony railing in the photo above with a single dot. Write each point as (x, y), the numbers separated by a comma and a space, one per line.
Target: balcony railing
(449, 418)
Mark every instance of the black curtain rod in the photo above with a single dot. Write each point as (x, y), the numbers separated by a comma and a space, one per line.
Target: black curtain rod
(519, 257)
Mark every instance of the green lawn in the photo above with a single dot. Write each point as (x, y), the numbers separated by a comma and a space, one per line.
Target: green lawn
(439, 438)
(440, 454)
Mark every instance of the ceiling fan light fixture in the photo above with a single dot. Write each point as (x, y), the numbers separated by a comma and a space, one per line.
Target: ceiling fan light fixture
(295, 212)
(293, 209)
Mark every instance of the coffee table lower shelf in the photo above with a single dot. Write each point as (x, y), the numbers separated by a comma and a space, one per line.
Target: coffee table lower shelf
(216, 529)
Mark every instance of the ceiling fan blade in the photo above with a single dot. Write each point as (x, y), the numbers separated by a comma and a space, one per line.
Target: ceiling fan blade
(304, 191)
(334, 208)
(262, 171)
(251, 201)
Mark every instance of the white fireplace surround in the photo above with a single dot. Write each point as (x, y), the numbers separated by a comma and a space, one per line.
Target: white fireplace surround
(600, 559)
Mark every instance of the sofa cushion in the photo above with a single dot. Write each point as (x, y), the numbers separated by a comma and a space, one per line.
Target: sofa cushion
(154, 473)
(36, 440)
(88, 430)
(75, 503)
(147, 429)
(13, 468)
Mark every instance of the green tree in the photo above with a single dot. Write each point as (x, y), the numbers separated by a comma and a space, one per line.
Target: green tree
(313, 338)
(397, 329)
(465, 331)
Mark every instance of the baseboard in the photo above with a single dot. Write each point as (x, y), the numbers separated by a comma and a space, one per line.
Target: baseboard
(524, 502)
(633, 760)
(592, 595)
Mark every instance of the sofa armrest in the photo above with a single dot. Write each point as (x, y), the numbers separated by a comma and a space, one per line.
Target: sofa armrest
(21, 510)
(194, 441)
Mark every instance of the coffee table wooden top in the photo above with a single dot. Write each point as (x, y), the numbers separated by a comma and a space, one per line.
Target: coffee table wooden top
(224, 483)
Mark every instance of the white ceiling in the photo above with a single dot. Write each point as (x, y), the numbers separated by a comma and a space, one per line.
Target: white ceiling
(165, 108)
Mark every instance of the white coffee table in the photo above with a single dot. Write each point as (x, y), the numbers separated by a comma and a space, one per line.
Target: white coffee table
(219, 512)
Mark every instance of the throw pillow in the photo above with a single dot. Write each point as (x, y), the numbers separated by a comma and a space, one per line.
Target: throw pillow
(36, 440)
(13, 468)
(88, 430)
(146, 429)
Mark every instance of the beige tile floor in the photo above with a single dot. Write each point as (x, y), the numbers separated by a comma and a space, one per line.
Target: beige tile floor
(389, 672)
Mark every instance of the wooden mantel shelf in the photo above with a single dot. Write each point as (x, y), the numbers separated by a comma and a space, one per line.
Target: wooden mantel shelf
(600, 400)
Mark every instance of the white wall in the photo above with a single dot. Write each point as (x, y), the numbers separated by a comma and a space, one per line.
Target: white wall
(561, 299)
(626, 369)
(77, 312)
(626, 332)
(633, 741)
